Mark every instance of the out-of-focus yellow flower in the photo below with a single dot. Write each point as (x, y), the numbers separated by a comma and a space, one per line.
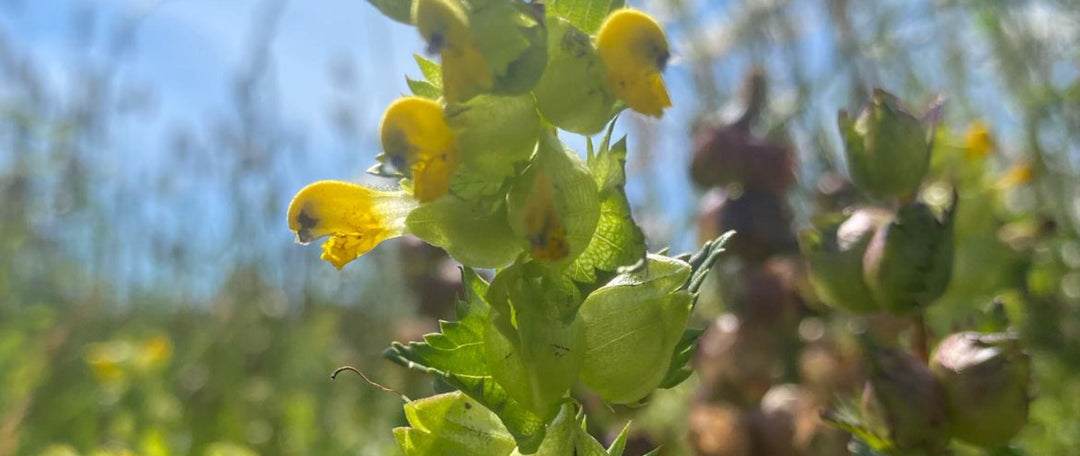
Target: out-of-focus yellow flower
(154, 351)
(543, 226)
(444, 25)
(1018, 174)
(635, 51)
(978, 142)
(419, 142)
(354, 217)
(106, 361)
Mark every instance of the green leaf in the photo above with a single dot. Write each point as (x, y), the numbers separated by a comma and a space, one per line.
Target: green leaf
(617, 241)
(847, 419)
(452, 423)
(701, 263)
(619, 444)
(423, 89)
(471, 233)
(586, 15)
(456, 357)
(431, 70)
(398, 10)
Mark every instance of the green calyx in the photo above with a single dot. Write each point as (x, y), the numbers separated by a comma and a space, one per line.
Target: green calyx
(573, 92)
(887, 148)
(631, 326)
(834, 252)
(908, 263)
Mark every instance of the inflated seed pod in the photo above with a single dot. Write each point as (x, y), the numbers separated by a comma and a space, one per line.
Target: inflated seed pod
(534, 342)
(631, 326)
(573, 93)
(986, 378)
(888, 149)
(908, 263)
(553, 207)
(834, 251)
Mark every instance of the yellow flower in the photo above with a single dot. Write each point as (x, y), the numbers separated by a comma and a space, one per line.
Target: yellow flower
(419, 142)
(155, 351)
(1017, 175)
(444, 25)
(977, 141)
(354, 217)
(635, 51)
(543, 226)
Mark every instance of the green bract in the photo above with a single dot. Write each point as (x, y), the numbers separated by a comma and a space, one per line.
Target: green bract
(632, 325)
(573, 93)
(452, 424)
(888, 150)
(834, 252)
(908, 263)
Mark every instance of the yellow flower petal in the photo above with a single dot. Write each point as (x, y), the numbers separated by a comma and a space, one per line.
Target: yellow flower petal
(978, 141)
(354, 217)
(635, 52)
(418, 141)
(543, 226)
(1017, 175)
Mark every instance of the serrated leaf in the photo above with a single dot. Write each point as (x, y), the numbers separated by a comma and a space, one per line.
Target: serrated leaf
(617, 241)
(700, 263)
(452, 423)
(680, 369)
(453, 361)
(431, 70)
(423, 89)
(586, 15)
(398, 10)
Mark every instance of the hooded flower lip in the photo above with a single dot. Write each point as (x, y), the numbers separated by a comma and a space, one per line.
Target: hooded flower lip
(355, 218)
(418, 142)
(444, 25)
(635, 51)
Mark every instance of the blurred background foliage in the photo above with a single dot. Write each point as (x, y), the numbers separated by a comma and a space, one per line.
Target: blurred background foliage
(152, 303)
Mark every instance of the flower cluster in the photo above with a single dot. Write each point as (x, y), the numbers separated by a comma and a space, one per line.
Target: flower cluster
(508, 76)
(484, 175)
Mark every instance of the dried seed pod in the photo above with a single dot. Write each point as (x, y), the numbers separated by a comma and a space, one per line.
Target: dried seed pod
(903, 400)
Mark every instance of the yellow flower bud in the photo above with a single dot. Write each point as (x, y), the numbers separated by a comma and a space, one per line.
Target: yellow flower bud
(354, 217)
(635, 51)
(419, 143)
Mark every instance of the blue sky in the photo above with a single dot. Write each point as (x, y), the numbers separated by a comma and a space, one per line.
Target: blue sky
(187, 55)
